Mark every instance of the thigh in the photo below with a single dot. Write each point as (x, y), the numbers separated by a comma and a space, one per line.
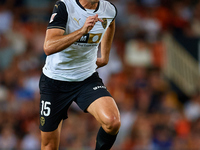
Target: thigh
(91, 90)
(105, 110)
(51, 140)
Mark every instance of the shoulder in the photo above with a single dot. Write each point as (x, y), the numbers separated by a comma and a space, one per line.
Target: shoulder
(67, 2)
(108, 3)
(70, 5)
(59, 5)
(59, 16)
(60, 2)
(109, 7)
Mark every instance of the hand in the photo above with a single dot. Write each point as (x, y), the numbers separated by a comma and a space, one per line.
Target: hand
(101, 62)
(89, 23)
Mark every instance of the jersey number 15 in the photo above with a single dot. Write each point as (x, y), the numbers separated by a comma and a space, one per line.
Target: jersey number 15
(45, 109)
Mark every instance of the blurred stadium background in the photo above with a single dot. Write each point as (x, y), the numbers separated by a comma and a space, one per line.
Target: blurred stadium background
(153, 74)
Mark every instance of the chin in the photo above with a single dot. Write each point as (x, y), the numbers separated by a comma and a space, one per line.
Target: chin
(94, 1)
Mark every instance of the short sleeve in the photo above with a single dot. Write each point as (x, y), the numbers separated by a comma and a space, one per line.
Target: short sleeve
(115, 11)
(59, 16)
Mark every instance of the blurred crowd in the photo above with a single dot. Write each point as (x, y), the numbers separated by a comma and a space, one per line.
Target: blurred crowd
(153, 115)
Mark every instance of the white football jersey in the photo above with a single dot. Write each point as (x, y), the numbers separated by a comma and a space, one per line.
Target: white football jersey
(78, 61)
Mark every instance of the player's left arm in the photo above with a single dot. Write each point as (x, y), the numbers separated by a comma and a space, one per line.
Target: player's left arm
(106, 45)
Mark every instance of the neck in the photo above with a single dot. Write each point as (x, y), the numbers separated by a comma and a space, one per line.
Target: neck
(89, 4)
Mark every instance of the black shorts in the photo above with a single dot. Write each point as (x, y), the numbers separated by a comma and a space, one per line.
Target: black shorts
(57, 96)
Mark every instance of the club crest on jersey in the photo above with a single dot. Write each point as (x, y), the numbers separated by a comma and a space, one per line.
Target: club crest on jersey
(104, 23)
(42, 121)
(52, 17)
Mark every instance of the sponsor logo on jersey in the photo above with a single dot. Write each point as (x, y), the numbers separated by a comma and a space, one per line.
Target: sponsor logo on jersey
(42, 121)
(104, 23)
(77, 20)
(84, 38)
(90, 38)
(52, 17)
(94, 38)
(99, 87)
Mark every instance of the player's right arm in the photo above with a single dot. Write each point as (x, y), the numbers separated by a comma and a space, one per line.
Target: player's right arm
(55, 40)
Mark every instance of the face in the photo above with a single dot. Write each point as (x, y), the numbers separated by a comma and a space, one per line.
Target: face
(93, 1)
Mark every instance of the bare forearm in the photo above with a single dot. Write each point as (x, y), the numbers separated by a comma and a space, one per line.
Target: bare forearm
(60, 42)
(106, 46)
(56, 41)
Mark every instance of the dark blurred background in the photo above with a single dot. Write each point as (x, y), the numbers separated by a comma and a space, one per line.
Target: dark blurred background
(153, 74)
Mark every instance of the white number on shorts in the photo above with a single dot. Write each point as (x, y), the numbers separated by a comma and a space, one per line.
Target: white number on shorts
(45, 109)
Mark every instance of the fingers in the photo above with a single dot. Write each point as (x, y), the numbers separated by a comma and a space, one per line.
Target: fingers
(90, 22)
(100, 20)
(95, 18)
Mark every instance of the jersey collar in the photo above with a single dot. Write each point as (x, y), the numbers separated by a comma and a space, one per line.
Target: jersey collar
(77, 1)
